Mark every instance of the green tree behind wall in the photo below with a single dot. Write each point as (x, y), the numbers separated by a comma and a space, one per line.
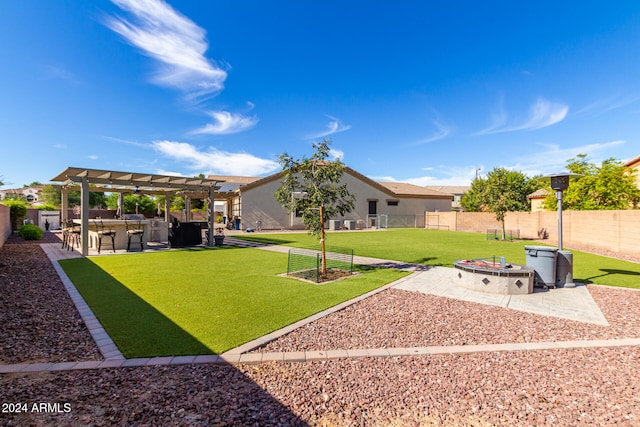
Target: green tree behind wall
(500, 192)
(608, 186)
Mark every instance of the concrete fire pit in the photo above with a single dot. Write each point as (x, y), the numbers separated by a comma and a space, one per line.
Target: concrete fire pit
(494, 276)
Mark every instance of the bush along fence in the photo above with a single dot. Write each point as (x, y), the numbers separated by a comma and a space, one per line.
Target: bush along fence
(306, 263)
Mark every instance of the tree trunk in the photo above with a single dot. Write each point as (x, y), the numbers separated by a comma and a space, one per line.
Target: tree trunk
(323, 267)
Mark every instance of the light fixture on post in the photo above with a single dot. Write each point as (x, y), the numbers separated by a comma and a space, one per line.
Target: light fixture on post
(564, 261)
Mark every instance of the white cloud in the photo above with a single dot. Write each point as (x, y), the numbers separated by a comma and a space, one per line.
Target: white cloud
(336, 154)
(225, 123)
(173, 40)
(214, 161)
(334, 126)
(553, 158)
(542, 113)
(124, 141)
(61, 73)
(603, 106)
(442, 131)
(93, 157)
(443, 175)
(169, 173)
(543, 160)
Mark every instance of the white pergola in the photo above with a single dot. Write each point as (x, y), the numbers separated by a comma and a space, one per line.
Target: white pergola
(86, 180)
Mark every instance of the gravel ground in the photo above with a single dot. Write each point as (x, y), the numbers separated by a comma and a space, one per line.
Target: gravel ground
(597, 386)
(559, 388)
(39, 321)
(398, 318)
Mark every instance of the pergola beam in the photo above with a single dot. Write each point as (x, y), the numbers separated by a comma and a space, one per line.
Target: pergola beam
(149, 185)
(123, 182)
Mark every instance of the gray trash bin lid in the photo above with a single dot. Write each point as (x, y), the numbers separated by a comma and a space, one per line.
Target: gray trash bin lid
(533, 250)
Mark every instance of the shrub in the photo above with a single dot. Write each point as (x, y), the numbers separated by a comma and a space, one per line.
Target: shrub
(30, 232)
(46, 207)
(18, 210)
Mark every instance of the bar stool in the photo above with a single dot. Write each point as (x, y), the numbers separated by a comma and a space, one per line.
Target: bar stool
(66, 231)
(70, 235)
(103, 231)
(135, 229)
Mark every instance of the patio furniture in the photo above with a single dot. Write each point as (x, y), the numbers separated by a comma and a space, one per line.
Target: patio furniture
(65, 234)
(185, 234)
(70, 235)
(103, 231)
(134, 229)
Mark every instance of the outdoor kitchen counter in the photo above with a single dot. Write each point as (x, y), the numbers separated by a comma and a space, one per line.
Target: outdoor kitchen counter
(154, 230)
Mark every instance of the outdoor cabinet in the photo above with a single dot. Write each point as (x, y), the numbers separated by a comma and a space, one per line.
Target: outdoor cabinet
(185, 234)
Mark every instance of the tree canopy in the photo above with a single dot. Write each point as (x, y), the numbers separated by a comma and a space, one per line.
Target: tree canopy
(607, 186)
(52, 194)
(500, 192)
(312, 188)
(144, 203)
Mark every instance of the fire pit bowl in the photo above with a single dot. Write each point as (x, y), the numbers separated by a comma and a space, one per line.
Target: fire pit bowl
(494, 276)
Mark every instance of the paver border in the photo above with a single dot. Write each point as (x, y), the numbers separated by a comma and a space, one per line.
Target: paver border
(239, 355)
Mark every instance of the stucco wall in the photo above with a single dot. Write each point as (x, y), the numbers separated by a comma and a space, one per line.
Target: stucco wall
(616, 231)
(5, 224)
(259, 204)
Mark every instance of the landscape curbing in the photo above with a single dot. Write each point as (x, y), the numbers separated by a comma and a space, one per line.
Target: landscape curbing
(314, 355)
(115, 359)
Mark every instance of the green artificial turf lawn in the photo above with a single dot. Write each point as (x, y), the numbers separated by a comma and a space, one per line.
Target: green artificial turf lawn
(203, 301)
(443, 248)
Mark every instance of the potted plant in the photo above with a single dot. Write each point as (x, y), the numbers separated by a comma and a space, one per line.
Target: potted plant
(218, 236)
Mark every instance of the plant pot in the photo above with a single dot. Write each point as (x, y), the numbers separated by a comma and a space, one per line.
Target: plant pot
(218, 240)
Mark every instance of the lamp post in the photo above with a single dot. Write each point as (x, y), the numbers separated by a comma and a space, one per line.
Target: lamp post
(564, 262)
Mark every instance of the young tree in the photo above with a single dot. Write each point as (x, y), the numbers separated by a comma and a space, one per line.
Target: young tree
(17, 211)
(500, 192)
(608, 186)
(52, 194)
(316, 182)
(143, 203)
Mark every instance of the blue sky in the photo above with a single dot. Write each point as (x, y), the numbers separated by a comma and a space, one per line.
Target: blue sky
(419, 91)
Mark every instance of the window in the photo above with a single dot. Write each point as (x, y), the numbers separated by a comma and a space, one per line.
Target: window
(373, 207)
(392, 202)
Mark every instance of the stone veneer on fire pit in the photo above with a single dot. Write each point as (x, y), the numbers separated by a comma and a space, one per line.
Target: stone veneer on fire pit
(493, 277)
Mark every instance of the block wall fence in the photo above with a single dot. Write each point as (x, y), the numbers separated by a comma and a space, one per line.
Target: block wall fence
(5, 224)
(615, 231)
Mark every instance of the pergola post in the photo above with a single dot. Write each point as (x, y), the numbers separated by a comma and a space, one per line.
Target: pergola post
(167, 206)
(120, 211)
(84, 200)
(187, 208)
(210, 240)
(64, 196)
